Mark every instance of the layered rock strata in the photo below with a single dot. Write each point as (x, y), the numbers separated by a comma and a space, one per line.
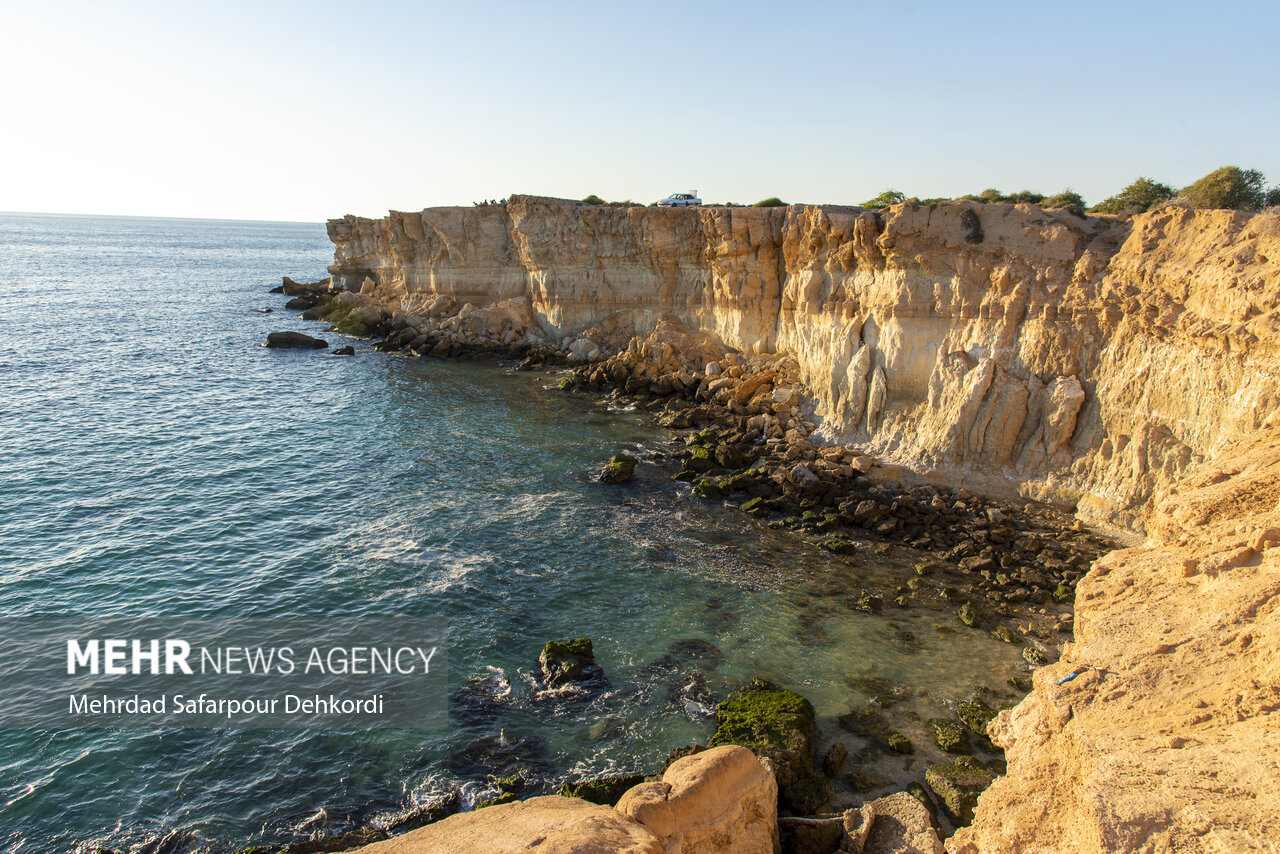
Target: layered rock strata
(1091, 361)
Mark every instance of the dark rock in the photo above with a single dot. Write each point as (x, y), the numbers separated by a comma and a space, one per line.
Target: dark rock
(811, 835)
(772, 722)
(957, 786)
(949, 735)
(300, 303)
(288, 340)
(605, 791)
(620, 469)
(564, 662)
(345, 351)
(343, 842)
(899, 743)
(975, 714)
(428, 813)
(834, 758)
(808, 796)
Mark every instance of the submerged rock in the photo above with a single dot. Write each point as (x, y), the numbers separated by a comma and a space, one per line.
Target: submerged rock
(345, 351)
(975, 714)
(294, 340)
(949, 735)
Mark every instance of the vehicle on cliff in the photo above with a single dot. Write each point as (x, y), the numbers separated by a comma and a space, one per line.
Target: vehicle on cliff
(680, 200)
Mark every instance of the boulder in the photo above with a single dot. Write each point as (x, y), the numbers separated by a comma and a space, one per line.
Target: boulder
(958, 785)
(620, 469)
(549, 825)
(294, 340)
(896, 824)
(564, 662)
(719, 801)
(772, 722)
(345, 351)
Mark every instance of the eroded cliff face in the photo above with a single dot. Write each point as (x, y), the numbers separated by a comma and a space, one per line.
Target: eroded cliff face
(1085, 361)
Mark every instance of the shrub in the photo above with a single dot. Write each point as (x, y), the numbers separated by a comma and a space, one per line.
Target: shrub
(593, 199)
(888, 197)
(1273, 196)
(1136, 198)
(771, 202)
(1025, 197)
(1228, 187)
(1067, 200)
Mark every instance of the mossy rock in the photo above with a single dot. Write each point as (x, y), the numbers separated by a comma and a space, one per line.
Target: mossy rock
(913, 584)
(620, 469)
(1034, 656)
(902, 601)
(808, 796)
(504, 798)
(606, 791)
(969, 615)
(700, 460)
(1006, 634)
(1044, 631)
(870, 602)
(899, 743)
(252, 849)
(706, 488)
(951, 594)
(957, 786)
(772, 722)
(921, 794)
(835, 545)
(975, 714)
(867, 720)
(755, 507)
(685, 475)
(1063, 593)
(342, 842)
(949, 735)
(562, 662)
(924, 568)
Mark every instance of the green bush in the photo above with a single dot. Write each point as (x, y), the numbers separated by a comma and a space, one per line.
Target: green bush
(1228, 187)
(771, 202)
(1069, 201)
(1273, 196)
(593, 199)
(888, 197)
(1025, 197)
(1136, 198)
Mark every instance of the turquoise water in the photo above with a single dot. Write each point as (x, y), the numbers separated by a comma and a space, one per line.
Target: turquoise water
(158, 461)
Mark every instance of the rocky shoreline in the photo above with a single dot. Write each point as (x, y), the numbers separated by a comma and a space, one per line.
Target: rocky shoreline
(744, 435)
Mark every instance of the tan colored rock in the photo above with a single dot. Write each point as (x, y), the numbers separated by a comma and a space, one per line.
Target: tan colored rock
(550, 825)
(720, 801)
(1168, 737)
(1087, 361)
(896, 824)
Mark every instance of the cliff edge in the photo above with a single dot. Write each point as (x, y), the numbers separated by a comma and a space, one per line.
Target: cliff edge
(1124, 369)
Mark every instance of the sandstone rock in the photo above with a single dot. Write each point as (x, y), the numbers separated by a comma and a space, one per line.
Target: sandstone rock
(554, 825)
(294, 340)
(896, 824)
(720, 801)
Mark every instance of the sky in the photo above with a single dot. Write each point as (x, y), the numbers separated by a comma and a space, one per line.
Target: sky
(304, 111)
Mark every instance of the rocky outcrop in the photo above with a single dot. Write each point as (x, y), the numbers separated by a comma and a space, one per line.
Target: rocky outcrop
(1159, 730)
(1124, 369)
(549, 825)
(1089, 361)
(719, 801)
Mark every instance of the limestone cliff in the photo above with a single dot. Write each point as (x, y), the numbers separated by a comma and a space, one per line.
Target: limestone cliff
(1086, 361)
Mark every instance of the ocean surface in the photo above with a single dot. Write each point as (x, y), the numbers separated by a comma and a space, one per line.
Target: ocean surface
(158, 461)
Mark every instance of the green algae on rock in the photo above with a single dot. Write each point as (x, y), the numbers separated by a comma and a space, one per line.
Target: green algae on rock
(562, 662)
(774, 723)
(899, 743)
(958, 785)
(975, 714)
(949, 735)
(620, 469)
(605, 791)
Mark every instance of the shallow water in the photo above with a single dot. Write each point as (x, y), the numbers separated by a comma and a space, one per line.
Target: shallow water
(159, 461)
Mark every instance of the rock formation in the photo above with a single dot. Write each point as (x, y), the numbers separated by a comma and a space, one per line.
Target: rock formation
(1124, 369)
(1089, 361)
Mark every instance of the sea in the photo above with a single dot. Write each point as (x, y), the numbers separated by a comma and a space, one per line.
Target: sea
(158, 461)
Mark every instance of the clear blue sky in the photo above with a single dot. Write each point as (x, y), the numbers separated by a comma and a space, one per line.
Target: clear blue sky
(307, 110)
